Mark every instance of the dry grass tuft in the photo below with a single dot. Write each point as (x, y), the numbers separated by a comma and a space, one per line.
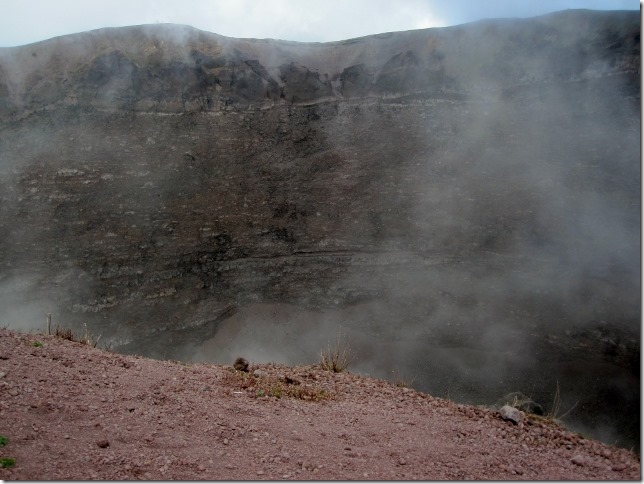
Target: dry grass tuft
(336, 359)
(402, 381)
(68, 334)
(64, 333)
(271, 386)
(555, 415)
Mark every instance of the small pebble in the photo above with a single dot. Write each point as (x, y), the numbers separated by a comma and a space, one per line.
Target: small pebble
(578, 460)
(510, 413)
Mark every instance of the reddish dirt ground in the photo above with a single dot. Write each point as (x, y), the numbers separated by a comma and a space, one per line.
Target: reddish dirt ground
(70, 411)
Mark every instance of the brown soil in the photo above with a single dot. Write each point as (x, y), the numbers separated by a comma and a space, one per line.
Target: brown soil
(75, 412)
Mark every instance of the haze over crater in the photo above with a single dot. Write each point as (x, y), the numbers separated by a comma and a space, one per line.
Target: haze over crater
(462, 204)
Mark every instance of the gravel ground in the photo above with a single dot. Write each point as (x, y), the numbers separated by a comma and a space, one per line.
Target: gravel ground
(70, 411)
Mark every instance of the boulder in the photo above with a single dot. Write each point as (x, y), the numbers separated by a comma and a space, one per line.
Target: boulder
(241, 364)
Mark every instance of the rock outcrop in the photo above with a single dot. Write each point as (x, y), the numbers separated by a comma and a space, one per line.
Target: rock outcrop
(454, 198)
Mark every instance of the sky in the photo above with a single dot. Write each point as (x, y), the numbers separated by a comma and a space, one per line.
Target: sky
(27, 21)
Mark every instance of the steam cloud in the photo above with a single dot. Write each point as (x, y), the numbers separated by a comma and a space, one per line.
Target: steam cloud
(465, 217)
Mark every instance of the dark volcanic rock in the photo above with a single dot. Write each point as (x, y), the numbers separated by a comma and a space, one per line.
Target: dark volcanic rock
(462, 201)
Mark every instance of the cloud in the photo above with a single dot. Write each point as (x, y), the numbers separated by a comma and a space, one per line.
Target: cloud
(463, 11)
(305, 21)
(34, 20)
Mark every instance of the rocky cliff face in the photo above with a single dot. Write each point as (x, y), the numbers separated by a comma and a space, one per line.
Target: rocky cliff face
(463, 203)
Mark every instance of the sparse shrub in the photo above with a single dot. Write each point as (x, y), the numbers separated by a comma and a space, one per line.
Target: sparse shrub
(554, 416)
(276, 391)
(336, 359)
(556, 404)
(38, 344)
(88, 339)
(554, 413)
(402, 381)
(3, 440)
(64, 333)
(521, 402)
(276, 387)
(68, 334)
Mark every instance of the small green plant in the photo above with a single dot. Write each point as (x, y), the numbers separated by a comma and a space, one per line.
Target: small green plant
(3, 440)
(7, 462)
(336, 359)
(260, 393)
(38, 344)
(276, 391)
